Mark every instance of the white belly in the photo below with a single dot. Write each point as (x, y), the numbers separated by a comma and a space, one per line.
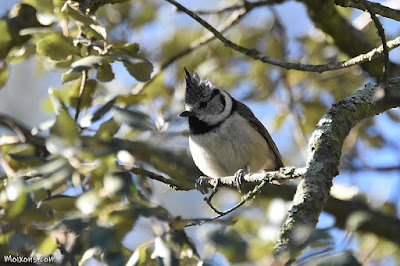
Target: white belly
(230, 147)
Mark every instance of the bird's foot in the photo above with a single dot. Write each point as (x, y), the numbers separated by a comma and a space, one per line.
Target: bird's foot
(238, 178)
(203, 182)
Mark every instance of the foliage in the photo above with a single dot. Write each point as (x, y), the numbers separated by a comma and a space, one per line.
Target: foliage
(80, 183)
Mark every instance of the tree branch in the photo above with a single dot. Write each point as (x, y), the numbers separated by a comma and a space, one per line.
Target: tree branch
(377, 8)
(253, 53)
(325, 151)
(347, 38)
(381, 33)
(246, 4)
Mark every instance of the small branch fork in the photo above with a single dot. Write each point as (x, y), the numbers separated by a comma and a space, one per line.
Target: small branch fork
(381, 33)
(284, 173)
(286, 65)
(377, 8)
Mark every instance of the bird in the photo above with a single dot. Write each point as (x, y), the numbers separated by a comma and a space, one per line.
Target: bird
(225, 137)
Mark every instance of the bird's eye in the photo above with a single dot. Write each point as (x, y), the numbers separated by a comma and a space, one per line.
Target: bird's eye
(203, 104)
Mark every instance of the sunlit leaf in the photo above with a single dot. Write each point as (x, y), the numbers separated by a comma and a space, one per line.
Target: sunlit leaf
(56, 47)
(88, 202)
(70, 75)
(140, 255)
(87, 95)
(118, 182)
(47, 246)
(4, 73)
(108, 129)
(77, 15)
(5, 37)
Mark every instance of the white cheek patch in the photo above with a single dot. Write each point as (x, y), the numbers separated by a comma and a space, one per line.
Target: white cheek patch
(216, 119)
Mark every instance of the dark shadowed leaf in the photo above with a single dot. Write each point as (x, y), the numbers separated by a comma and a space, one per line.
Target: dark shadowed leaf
(141, 70)
(231, 243)
(86, 63)
(76, 225)
(101, 236)
(24, 158)
(105, 73)
(137, 65)
(133, 118)
(99, 113)
(343, 258)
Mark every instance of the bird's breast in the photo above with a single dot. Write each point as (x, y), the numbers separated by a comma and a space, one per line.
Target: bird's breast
(231, 146)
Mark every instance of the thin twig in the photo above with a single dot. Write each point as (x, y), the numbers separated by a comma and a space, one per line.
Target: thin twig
(170, 182)
(206, 38)
(381, 33)
(81, 90)
(245, 4)
(246, 198)
(253, 53)
(208, 200)
(377, 8)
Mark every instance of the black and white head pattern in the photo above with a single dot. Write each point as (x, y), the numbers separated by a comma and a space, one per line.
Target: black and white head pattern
(208, 104)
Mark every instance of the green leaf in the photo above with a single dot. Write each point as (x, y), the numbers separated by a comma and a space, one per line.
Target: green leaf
(88, 202)
(5, 37)
(4, 73)
(65, 127)
(77, 15)
(141, 71)
(86, 63)
(47, 246)
(128, 49)
(108, 129)
(56, 47)
(87, 96)
(102, 236)
(70, 76)
(337, 259)
(130, 99)
(61, 204)
(24, 158)
(140, 255)
(118, 182)
(102, 110)
(133, 118)
(53, 180)
(36, 31)
(137, 65)
(105, 73)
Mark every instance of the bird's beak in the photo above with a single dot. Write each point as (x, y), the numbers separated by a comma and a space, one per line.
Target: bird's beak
(186, 114)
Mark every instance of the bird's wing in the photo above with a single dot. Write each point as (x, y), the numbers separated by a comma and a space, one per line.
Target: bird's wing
(247, 114)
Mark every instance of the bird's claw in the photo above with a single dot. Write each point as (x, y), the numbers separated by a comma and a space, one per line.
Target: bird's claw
(238, 179)
(202, 184)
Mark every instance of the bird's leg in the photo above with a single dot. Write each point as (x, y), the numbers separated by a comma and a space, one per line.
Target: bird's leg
(239, 176)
